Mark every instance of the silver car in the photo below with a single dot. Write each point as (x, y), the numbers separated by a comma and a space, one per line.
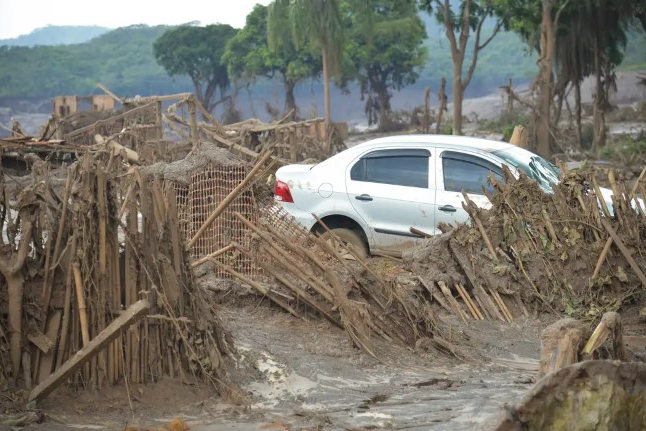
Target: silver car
(373, 193)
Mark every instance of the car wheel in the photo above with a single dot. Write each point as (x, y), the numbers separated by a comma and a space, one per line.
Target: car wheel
(349, 237)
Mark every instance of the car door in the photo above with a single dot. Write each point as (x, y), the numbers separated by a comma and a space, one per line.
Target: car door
(461, 170)
(389, 190)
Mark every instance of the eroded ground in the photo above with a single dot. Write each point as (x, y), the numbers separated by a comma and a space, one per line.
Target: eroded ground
(306, 376)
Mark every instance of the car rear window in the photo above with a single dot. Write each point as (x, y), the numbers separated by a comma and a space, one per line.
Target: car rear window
(407, 168)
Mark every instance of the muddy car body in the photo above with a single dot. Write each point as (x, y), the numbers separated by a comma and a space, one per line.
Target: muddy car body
(373, 193)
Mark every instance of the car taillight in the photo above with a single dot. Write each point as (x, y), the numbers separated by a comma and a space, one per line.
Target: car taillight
(282, 193)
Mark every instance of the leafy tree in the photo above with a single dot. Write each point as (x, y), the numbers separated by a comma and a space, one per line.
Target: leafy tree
(471, 17)
(197, 52)
(248, 56)
(589, 33)
(390, 58)
(318, 23)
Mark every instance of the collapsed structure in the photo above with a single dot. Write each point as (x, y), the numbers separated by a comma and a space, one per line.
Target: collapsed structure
(99, 285)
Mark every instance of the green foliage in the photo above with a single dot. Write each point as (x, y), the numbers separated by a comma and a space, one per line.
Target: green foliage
(625, 148)
(248, 55)
(391, 56)
(121, 59)
(197, 52)
(506, 123)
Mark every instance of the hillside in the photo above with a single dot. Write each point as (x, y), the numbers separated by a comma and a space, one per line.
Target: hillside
(122, 59)
(57, 35)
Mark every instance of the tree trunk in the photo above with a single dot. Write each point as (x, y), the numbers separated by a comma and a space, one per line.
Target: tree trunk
(457, 99)
(290, 100)
(15, 283)
(326, 95)
(542, 120)
(384, 109)
(598, 120)
(442, 106)
(577, 111)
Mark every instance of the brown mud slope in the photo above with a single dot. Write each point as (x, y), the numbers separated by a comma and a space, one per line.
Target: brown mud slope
(557, 252)
(590, 395)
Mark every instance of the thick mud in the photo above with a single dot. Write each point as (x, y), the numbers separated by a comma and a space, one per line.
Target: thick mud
(300, 375)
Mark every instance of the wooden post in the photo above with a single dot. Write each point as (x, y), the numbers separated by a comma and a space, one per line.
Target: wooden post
(80, 297)
(81, 357)
(160, 122)
(195, 138)
(442, 107)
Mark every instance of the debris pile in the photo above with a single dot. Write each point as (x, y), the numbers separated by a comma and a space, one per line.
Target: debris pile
(307, 275)
(563, 251)
(99, 287)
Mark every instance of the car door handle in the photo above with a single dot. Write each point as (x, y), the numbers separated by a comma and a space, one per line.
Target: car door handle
(363, 197)
(447, 208)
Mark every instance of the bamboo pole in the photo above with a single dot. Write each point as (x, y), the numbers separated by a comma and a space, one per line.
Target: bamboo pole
(47, 281)
(260, 288)
(212, 256)
(80, 297)
(465, 295)
(467, 302)
(624, 251)
(226, 201)
(602, 257)
(469, 207)
(67, 305)
(454, 304)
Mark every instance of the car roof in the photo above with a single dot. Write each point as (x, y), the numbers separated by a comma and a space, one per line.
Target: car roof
(450, 141)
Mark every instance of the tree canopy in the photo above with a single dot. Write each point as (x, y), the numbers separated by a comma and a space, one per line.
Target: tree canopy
(248, 56)
(197, 52)
(390, 57)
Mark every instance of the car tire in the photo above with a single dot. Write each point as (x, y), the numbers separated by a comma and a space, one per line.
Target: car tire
(348, 236)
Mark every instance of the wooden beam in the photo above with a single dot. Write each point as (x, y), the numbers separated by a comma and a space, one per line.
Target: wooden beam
(105, 337)
(624, 251)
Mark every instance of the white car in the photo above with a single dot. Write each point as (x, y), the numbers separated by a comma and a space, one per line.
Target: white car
(373, 193)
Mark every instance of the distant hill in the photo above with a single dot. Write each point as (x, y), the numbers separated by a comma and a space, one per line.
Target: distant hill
(123, 60)
(56, 35)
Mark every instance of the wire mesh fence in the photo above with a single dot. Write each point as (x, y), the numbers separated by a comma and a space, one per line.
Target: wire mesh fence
(197, 201)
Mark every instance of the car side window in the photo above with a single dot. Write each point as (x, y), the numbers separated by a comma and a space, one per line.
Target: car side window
(468, 172)
(397, 167)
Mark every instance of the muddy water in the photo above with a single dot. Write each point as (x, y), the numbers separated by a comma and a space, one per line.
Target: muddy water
(307, 376)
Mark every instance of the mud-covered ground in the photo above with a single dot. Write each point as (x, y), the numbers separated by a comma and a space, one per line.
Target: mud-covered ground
(306, 375)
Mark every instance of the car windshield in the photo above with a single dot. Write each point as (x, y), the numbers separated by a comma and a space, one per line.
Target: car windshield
(536, 167)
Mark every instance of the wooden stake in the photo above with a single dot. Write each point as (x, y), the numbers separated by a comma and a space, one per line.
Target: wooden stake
(467, 302)
(212, 256)
(602, 257)
(470, 208)
(454, 304)
(80, 298)
(465, 295)
(624, 251)
(47, 280)
(501, 303)
(260, 288)
(135, 312)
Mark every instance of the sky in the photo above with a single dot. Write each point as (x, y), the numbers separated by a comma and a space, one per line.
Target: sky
(18, 17)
